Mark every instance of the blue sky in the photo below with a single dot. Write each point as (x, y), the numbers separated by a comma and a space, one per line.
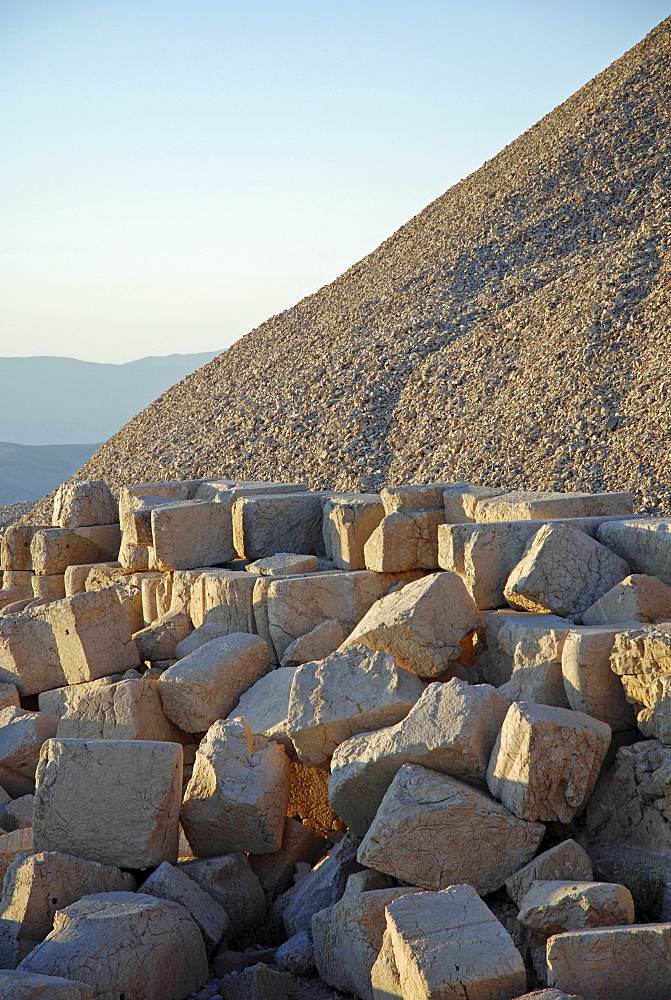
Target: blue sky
(175, 172)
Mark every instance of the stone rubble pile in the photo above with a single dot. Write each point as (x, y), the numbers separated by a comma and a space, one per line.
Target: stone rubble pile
(415, 743)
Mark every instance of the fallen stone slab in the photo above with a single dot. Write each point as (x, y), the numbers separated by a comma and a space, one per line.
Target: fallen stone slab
(458, 823)
(230, 881)
(22, 734)
(283, 564)
(527, 505)
(564, 571)
(83, 504)
(275, 871)
(349, 692)
(427, 626)
(130, 709)
(553, 907)
(452, 729)
(290, 522)
(403, 541)
(568, 860)
(641, 658)
(205, 685)
(409, 498)
(644, 542)
(258, 982)
(124, 944)
(86, 805)
(52, 550)
(321, 888)
(348, 523)
(265, 706)
(637, 598)
(590, 684)
(168, 882)
(15, 985)
(159, 640)
(323, 640)
(187, 535)
(534, 643)
(237, 796)
(546, 761)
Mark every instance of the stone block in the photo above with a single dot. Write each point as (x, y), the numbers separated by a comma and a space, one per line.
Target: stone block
(226, 601)
(534, 643)
(86, 805)
(289, 522)
(275, 871)
(283, 564)
(258, 982)
(452, 729)
(230, 881)
(149, 587)
(348, 523)
(159, 640)
(406, 498)
(265, 706)
(590, 684)
(568, 860)
(352, 691)
(18, 813)
(546, 761)
(130, 599)
(460, 501)
(168, 882)
(297, 955)
(323, 640)
(51, 587)
(129, 709)
(637, 598)
(136, 519)
(15, 985)
(450, 943)
(9, 695)
(527, 505)
(641, 658)
(644, 542)
(404, 541)
(237, 797)
(206, 684)
(460, 823)
(22, 734)
(82, 504)
(553, 907)
(133, 558)
(15, 549)
(321, 888)
(52, 550)
(29, 657)
(186, 535)
(428, 626)
(124, 944)
(56, 700)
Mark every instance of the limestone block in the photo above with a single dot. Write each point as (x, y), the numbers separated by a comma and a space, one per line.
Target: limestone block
(168, 882)
(133, 558)
(29, 653)
(296, 955)
(159, 640)
(347, 939)
(57, 700)
(527, 505)
(450, 943)
(352, 691)
(237, 797)
(130, 709)
(283, 564)
(227, 601)
(637, 598)
(265, 706)
(18, 813)
(403, 541)
(52, 550)
(460, 500)
(546, 761)
(185, 587)
(457, 822)
(22, 734)
(191, 534)
(534, 643)
(496, 642)
(590, 684)
(211, 629)
(205, 685)
(125, 944)
(553, 907)
(641, 658)
(277, 522)
(564, 571)
(309, 800)
(452, 729)
(78, 505)
(51, 587)
(36, 886)
(427, 626)
(231, 883)
(348, 523)
(404, 498)
(321, 888)
(612, 963)
(258, 982)
(275, 871)
(568, 860)
(12, 844)
(384, 978)
(15, 550)
(9, 695)
(130, 599)
(149, 587)
(86, 805)
(323, 640)
(644, 542)
(136, 519)
(15, 985)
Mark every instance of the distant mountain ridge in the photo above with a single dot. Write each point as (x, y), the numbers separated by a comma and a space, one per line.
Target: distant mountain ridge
(57, 401)
(27, 471)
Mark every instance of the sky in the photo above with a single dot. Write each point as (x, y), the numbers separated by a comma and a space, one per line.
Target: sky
(176, 171)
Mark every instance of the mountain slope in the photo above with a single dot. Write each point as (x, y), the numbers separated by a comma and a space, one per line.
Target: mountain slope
(515, 332)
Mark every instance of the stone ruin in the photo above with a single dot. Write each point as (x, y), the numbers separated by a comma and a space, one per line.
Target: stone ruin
(416, 744)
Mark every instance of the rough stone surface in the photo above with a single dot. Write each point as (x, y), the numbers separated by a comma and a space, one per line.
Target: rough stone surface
(452, 728)
(297, 954)
(645, 544)
(265, 706)
(78, 505)
(465, 835)
(309, 800)
(323, 640)
(168, 882)
(534, 645)
(546, 761)
(553, 907)
(130, 709)
(567, 860)
(637, 598)
(13, 844)
(86, 805)
(266, 525)
(52, 550)
(460, 501)
(191, 534)
(519, 505)
(403, 541)
(231, 883)
(563, 571)
(641, 658)
(22, 734)
(283, 564)
(349, 692)
(18, 813)
(348, 523)
(15, 547)
(258, 982)
(15, 985)
(275, 871)
(590, 684)
(159, 640)
(321, 888)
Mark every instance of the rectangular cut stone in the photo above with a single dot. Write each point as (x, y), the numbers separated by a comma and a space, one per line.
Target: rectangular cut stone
(348, 523)
(85, 804)
(645, 543)
(16, 985)
(567, 860)
(275, 871)
(129, 709)
(460, 501)
(231, 883)
(52, 550)
(190, 535)
(227, 599)
(81, 504)
(637, 598)
(168, 882)
(535, 643)
(519, 505)
(403, 498)
(403, 541)
(16, 542)
(641, 658)
(50, 587)
(554, 906)
(29, 656)
(590, 684)
(291, 522)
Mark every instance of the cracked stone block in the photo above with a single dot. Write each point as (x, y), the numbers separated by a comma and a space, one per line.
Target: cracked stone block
(275, 871)
(283, 564)
(192, 534)
(534, 642)
(258, 982)
(28, 653)
(289, 522)
(148, 588)
(133, 558)
(297, 955)
(449, 943)
(527, 505)
(637, 598)
(404, 541)
(348, 936)
(22, 734)
(546, 761)
(460, 501)
(15, 985)
(612, 963)
(566, 861)
(265, 706)
(86, 805)
(15, 546)
(230, 881)
(205, 685)
(452, 729)
(18, 813)
(409, 498)
(432, 830)
(553, 907)
(50, 587)
(226, 601)
(56, 700)
(36, 886)
(237, 797)
(168, 882)
(52, 550)
(159, 640)
(9, 695)
(564, 571)
(348, 523)
(590, 684)
(309, 800)
(349, 692)
(323, 640)
(641, 658)
(12, 844)
(644, 542)
(79, 505)
(428, 626)
(322, 887)
(130, 709)
(124, 944)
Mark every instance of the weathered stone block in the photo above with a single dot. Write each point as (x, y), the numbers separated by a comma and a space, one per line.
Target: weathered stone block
(51, 587)
(168, 882)
(265, 706)
(265, 525)
(315, 645)
(423, 497)
(78, 505)
(231, 883)
(590, 684)
(159, 640)
(527, 505)
(637, 598)
(29, 654)
(283, 564)
(189, 535)
(553, 907)
(18, 813)
(567, 860)
(15, 551)
(275, 871)
(15, 985)
(130, 709)
(645, 543)
(22, 734)
(403, 541)
(460, 501)
(348, 523)
(52, 550)
(641, 658)
(534, 644)
(322, 887)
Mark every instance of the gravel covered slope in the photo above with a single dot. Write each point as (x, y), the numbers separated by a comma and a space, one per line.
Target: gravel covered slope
(516, 332)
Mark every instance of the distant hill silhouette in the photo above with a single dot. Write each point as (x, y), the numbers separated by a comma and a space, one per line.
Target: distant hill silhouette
(27, 472)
